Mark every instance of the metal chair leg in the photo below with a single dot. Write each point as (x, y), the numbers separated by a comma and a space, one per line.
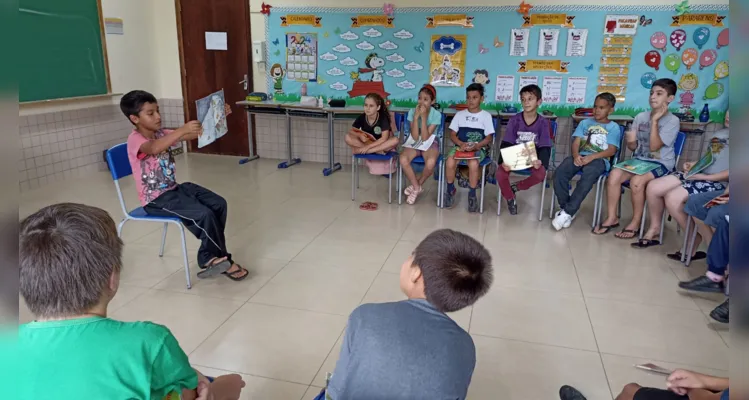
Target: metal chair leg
(553, 205)
(163, 239)
(120, 226)
(686, 239)
(690, 248)
(543, 195)
(483, 185)
(642, 220)
(663, 227)
(184, 255)
(499, 199)
(353, 183)
(400, 184)
(390, 187)
(357, 173)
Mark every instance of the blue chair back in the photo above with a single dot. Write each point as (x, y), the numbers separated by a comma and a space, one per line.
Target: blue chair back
(681, 139)
(119, 165)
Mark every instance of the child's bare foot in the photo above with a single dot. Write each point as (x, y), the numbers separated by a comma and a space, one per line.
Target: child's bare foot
(606, 226)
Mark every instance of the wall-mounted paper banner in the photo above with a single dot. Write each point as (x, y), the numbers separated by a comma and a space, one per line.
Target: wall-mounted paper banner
(576, 88)
(615, 90)
(372, 20)
(505, 88)
(698, 19)
(450, 20)
(613, 70)
(576, 42)
(621, 24)
(563, 20)
(301, 19)
(609, 61)
(543, 65)
(548, 42)
(618, 40)
(552, 89)
(519, 42)
(613, 80)
(614, 51)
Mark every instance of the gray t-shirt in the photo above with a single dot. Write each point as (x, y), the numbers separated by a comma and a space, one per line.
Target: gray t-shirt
(719, 146)
(668, 129)
(404, 350)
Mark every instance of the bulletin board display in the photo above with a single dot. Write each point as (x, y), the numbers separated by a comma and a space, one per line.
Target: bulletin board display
(573, 53)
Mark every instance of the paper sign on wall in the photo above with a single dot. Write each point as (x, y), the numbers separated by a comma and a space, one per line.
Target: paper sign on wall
(519, 42)
(303, 19)
(576, 41)
(552, 89)
(543, 65)
(698, 19)
(113, 26)
(621, 24)
(505, 87)
(562, 20)
(216, 41)
(576, 87)
(548, 41)
(372, 20)
(461, 20)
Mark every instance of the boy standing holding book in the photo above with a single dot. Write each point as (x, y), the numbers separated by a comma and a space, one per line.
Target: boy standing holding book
(596, 141)
(651, 138)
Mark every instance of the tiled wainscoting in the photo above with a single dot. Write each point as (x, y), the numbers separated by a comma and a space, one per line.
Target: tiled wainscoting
(59, 145)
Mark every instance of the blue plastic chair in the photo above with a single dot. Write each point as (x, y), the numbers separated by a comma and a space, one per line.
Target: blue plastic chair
(527, 172)
(119, 166)
(389, 156)
(681, 139)
(405, 127)
(599, 184)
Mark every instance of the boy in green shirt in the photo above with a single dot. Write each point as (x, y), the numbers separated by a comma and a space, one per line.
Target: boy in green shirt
(70, 262)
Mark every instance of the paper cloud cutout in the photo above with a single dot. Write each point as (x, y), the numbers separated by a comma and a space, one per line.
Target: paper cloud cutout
(372, 32)
(395, 57)
(388, 45)
(412, 66)
(342, 48)
(335, 71)
(349, 36)
(364, 46)
(328, 56)
(395, 73)
(338, 86)
(405, 85)
(348, 61)
(403, 34)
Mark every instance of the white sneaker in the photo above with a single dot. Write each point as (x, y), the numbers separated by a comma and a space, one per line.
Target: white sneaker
(561, 220)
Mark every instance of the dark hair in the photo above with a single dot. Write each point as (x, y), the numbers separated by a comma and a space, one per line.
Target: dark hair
(608, 97)
(457, 269)
(133, 101)
(430, 90)
(384, 113)
(668, 84)
(475, 87)
(532, 89)
(67, 254)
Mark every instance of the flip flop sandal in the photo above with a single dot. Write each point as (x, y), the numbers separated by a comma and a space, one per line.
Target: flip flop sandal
(677, 256)
(365, 206)
(645, 243)
(634, 234)
(605, 228)
(414, 194)
(214, 269)
(241, 269)
(408, 190)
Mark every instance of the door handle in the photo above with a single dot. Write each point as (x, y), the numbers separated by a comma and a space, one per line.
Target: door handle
(244, 83)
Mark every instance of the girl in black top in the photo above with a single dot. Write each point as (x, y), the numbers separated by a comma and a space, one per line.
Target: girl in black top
(372, 132)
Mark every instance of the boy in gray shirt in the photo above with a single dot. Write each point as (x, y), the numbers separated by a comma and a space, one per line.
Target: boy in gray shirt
(411, 349)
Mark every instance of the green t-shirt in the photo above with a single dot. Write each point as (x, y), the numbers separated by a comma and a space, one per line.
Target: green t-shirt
(100, 358)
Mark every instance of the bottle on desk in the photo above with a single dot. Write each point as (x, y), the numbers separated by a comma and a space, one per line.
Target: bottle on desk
(304, 89)
(705, 114)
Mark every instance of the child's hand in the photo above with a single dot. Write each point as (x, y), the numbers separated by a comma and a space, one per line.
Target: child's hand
(505, 167)
(657, 114)
(682, 381)
(191, 128)
(227, 109)
(688, 165)
(585, 160)
(204, 391)
(578, 161)
(537, 164)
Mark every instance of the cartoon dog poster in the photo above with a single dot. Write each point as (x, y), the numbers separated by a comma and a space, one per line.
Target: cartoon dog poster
(447, 60)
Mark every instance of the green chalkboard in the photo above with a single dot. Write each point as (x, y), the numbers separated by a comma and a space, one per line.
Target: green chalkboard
(61, 50)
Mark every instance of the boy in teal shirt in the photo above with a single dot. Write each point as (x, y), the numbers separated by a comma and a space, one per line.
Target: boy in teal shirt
(596, 141)
(70, 262)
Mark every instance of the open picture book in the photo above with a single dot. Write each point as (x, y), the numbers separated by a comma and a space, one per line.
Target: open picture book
(706, 161)
(519, 157)
(419, 144)
(369, 137)
(637, 167)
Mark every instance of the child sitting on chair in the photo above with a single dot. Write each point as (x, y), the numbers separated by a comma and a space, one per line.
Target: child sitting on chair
(70, 262)
(411, 349)
(651, 138)
(596, 141)
(202, 212)
(523, 127)
(471, 130)
(424, 120)
(372, 132)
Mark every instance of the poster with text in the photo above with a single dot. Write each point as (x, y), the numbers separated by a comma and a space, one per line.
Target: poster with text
(576, 87)
(519, 42)
(505, 88)
(552, 89)
(301, 57)
(447, 60)
(576, 41)
(548, 42)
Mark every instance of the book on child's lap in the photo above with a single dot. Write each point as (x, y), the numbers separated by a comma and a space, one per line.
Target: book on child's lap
(418, 144)
(637, 167)
(467, 155)
(370, 137)
(519, 157)
(706, 161)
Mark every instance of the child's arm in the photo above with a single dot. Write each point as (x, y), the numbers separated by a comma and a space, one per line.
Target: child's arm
(608, 153)
(162, 144)
(576, 157)
(631, 136)
(655, 138)
(719, 177)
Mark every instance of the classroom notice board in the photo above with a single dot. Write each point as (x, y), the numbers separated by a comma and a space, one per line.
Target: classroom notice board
(62, 52)
(572, 52)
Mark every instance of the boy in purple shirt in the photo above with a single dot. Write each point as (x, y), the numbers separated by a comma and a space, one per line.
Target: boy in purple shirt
(523, 127)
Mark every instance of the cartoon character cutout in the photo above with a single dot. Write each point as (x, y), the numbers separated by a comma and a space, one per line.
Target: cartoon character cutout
(277, 73)
(717, 144)
(451, 75)
(687, 83)
(481, 76)
(374, 65)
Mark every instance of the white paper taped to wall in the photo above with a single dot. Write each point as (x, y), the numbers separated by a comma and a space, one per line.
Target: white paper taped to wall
(216, 41)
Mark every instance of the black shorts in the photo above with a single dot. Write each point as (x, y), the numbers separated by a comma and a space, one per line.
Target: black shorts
(657, 394)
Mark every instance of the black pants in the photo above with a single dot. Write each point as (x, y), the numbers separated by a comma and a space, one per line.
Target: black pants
(657, 394)
(202, 212)
(564, 174)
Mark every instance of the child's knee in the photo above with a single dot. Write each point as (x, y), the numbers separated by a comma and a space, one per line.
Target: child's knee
(473, 165)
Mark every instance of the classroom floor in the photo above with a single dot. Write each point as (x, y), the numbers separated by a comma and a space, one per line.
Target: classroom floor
(565, 307)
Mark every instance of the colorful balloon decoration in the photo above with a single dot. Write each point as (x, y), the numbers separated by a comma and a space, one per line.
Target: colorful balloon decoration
(721, 70)
(707, 58)
(647, 80)
(653, 59)
(713, 91)
(689, 57)
(678, 38)
(701, 36)
(672, 63)
(659, 41)
(723, 38)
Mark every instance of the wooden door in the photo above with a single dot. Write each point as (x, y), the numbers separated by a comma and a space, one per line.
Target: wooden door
(206, 71)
